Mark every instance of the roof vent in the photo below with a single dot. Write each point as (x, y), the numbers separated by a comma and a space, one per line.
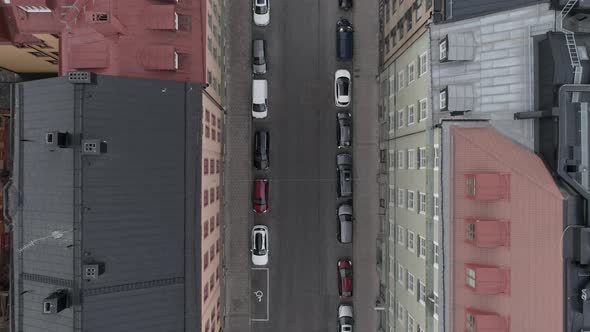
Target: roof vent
(93, 146)
(93, 270)
(56, 302)
(82, 77)
(59, 139)
(99, 17)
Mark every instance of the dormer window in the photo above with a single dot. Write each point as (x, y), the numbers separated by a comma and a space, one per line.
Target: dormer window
(443, 56)
(479, 321)
(443, 100)
(486, 280)
(486, 233)
(459, 46)
(487, 186)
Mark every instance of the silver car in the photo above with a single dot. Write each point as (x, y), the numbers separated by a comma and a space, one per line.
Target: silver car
(259, 245)
(259, 56)
(345, 223)
(345, 319)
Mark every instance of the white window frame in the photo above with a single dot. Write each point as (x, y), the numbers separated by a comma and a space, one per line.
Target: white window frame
(442, 104)
(411, 72)
(392, 164)
(401, 274)
(411, 241)
(423, 63)
(419, 328)
(401, 198)
(410, 324)
(400, 313)
(392, 195)
(435, 306)
(435, 254)
(421, 293)
(421, 203)
(401, 118)
(401, 80)
(422, 247)
(442, 49)
(422, 158)
(470, 232)
(401, 232)
(436, 157)
(411, 200)
(423, 109)
(411, 158)
(470, 277)
(411, 114)
(392, 122)
(401, 159)
(411, 283)
(436, 207)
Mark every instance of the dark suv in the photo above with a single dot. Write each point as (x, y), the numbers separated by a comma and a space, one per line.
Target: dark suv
(261, 149)
(344, 41)
(344, 163)
(344, 130)
(345, 4)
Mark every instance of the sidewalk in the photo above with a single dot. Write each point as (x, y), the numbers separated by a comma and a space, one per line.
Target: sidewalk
(236, 211)
(366, 155)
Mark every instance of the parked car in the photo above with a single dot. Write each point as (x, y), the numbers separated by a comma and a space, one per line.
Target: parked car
(344, 40)
(345, 4)
(261, 149)
(259, 99)
(342, 87)
(259, 245)
(259, 56)
(345, 318)
(261, 12)
(344, 278)
(344, 130)
(260, 196)
(345, 223)
(344, 166)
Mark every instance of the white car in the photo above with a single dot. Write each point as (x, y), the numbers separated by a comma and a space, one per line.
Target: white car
(259, 99)
(259, 245)
(342, 88)
(261, 12)
(345, 320)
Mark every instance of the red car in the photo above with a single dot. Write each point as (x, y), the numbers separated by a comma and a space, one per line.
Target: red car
(345, 277)
(260, 196)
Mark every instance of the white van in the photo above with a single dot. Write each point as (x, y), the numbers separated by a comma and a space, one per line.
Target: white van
(259, 99)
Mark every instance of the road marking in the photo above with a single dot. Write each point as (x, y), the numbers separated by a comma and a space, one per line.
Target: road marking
(260, 294)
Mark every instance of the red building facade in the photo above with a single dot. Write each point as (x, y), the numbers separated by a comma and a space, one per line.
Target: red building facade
(506, 219)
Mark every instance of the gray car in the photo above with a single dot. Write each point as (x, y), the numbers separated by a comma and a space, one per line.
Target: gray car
(259, 56)
(345, 223)
(344, 163)
(344, 130)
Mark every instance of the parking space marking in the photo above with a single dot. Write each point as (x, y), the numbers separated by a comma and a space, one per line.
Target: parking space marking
(260, 292)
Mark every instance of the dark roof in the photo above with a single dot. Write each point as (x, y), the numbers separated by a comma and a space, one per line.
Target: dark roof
(132, 208)
(460, 10)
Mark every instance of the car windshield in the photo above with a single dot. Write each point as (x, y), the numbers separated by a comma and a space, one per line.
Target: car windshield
(345, 273)
(259, 107)
(259, 245)
(258, 60)
(342, 87)
(346, 217)
(346, 175)
(261, 8)
(344, 133)
(260, 201)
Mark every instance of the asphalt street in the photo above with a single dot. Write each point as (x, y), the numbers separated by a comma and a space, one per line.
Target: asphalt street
(298, 289)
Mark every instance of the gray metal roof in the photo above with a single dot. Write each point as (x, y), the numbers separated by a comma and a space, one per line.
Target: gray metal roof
(462, 9)
(132, 208)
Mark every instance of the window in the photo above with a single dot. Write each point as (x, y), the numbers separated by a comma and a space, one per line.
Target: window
(209, 76)
(421, 293)
(217, 166)
(400, 80)
(435, 306)
(410, 324)
(471, 277)
(418, 9)
(443, 100)
(400, 118)
(206, 229)
(391, 195)
(419, 328)
(217, 219)
(411, 200)
(205, 261)
(442, 48)
(436, 255)
(411, 73)
(207, 116)
(391, 159)
(206, 166)
(219, 122)
(411, 114)
(213, 119)
(217, 246)
(423, 106)
(393, 37)
(411, 241)
(207, 135)
(213, 133)
(411, 284)
(422, 247)
(470, 322)
(436, 209)
(401, 198)
(471, 185)
(212, 195)
(400, 313)
(206, 197)
(423, 63)
(38, 54)
(411, 159)
(386, 40)
(401, 159)
(436, 157)
(422, 160)
(470, 232)
(206, 291)
(400, 235)
(211, 282)
(422, 203)
(212, 253)
(212, 225)
(409, 19)
(401, 273)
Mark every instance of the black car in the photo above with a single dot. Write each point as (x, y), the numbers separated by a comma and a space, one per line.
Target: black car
(261, 149)
(344, 41)
(345, 4)
(344, 163)
(344, 130)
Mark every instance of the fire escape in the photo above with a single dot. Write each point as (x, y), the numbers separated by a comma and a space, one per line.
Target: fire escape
(571, 45)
